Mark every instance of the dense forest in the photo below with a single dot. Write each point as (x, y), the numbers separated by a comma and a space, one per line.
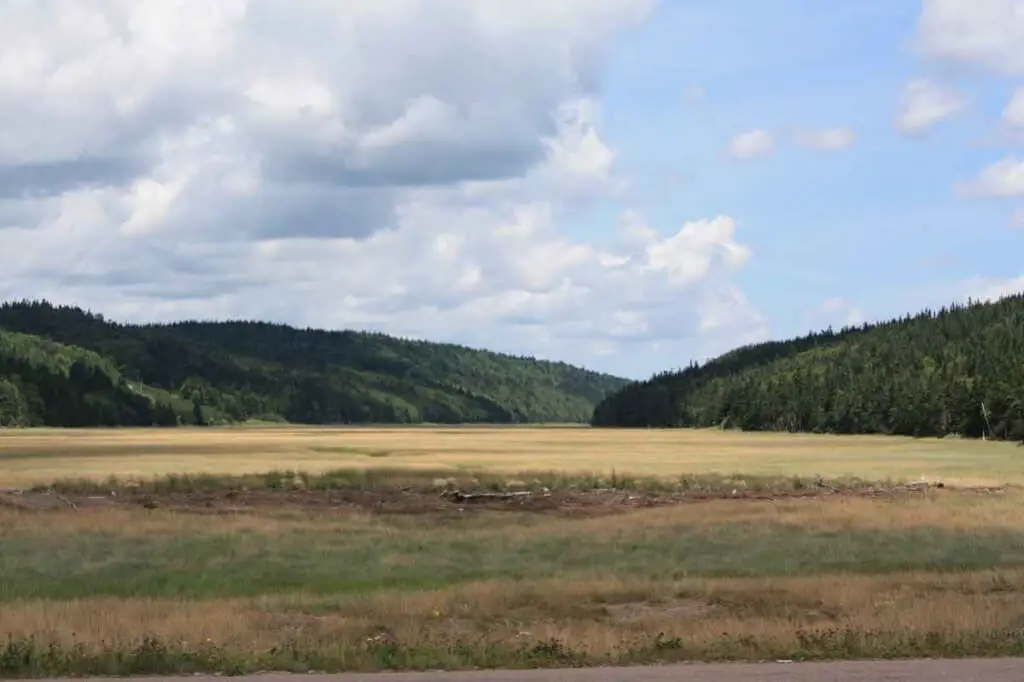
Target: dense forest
(959, 370)
(63, 366)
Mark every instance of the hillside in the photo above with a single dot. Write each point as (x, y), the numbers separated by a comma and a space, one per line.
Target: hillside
(233, 371)
(43, 382)
(926, 375)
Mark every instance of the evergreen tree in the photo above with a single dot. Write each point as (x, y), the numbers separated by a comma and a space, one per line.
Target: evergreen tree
(923, 375)
(86, 370)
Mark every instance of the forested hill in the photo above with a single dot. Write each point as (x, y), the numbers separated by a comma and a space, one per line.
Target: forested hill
(926, 375)
(61, 365)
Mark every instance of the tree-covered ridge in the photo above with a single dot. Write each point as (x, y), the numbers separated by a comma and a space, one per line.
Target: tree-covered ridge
(48, 383)
(959, 370)
(233, 371)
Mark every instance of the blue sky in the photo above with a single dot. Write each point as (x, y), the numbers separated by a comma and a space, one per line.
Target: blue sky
(624, 184)
(877, 224)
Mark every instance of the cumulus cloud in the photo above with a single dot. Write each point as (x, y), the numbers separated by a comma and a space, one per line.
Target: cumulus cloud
(987, 34)
(402, 165)
(828, 139)
(752, 144)
(688, 255)
(298, 86)
(1003, 178)
(924, 104)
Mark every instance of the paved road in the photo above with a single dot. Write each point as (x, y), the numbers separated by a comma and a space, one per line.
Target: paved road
(981, 670)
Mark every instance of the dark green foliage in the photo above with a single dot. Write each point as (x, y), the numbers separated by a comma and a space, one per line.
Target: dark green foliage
(13, 408)
(47, 383)
(217, 372)
(927, 375)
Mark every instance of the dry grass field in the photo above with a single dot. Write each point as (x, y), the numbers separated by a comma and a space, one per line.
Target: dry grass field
(39, 456)
(724, 546)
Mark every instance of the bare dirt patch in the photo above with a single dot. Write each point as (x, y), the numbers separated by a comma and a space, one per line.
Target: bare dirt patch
(448, 503)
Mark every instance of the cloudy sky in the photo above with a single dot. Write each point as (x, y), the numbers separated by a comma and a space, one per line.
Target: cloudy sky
(624, 184)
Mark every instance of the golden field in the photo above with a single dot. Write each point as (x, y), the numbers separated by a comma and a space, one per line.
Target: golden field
(595, 615)
(40, 456)
(198, 579)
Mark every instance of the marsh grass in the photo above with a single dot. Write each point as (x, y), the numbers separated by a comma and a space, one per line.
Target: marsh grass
(33, 457)
(555, 622)
(127, 590)
(138, 554)
(393, 479)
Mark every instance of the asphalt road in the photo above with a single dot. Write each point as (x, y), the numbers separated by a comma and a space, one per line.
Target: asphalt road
(969, 670)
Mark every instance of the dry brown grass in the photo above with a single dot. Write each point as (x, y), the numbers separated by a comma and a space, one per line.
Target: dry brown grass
(599, 615)
(40, 456)
(951, 511)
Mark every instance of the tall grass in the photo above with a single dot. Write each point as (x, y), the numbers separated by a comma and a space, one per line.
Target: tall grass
(557, 622)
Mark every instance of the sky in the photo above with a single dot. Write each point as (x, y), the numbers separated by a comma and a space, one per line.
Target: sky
(627, 185)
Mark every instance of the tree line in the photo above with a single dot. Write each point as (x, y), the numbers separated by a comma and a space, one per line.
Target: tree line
(958, 370)
(64, 366)
(46, 383)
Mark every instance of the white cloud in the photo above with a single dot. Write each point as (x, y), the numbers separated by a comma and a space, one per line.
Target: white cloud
(688, 256)
(752, 144)
(924, 104)
(265, 159)
(825, 140)
(1013, 114)
(984, 33)
(1004, 178)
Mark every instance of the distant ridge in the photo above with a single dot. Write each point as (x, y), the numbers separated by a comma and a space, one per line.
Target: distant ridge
(957, 371)
(63, 366)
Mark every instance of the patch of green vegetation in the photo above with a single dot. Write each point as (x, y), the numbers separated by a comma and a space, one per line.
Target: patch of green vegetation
(404, 555)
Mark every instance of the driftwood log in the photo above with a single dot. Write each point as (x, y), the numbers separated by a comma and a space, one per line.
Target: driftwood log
(459, 496)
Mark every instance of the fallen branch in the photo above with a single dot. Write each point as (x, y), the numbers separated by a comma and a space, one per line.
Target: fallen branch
(460, 496)
(66, 501)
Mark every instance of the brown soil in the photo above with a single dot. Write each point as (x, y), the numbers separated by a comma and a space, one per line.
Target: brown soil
(571, 503)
